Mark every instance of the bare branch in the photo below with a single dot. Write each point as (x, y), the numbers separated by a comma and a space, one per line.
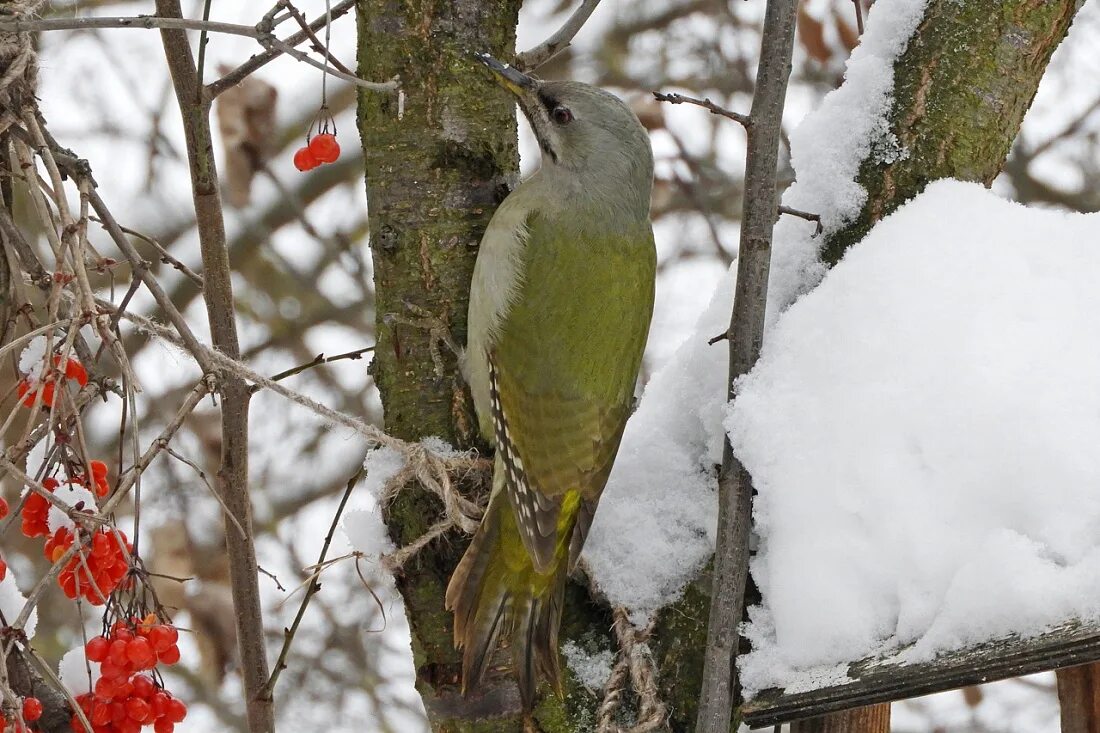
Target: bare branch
(147, 22)
(804, 215)
(312, 588)
(746, 331)
(705, 104)
(559, 41)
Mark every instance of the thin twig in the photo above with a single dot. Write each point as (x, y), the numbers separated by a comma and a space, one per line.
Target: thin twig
(316, 361)
(147, 22)
(238, 74)
(311, 590)
(286, 48)
(859, 15)
(559, 41)
(706, 104)
(318, 45)
(816, 218)
(165, 256)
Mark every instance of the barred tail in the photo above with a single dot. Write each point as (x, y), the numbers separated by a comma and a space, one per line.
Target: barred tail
(495, 592)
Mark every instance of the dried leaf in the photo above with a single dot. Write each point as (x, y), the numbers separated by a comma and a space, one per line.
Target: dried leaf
(246, 118)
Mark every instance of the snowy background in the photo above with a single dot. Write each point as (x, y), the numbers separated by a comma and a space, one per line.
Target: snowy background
(303, 284)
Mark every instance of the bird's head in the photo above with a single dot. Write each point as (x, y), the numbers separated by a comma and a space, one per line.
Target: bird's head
(578, 126)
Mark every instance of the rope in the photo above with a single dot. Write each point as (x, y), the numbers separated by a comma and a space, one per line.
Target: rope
(636, 665)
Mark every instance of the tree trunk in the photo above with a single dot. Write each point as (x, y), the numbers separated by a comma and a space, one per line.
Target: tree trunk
(434, 178)
(1079, 698)
(961, 89)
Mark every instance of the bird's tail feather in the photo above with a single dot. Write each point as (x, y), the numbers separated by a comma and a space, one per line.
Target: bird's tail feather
(494, 593)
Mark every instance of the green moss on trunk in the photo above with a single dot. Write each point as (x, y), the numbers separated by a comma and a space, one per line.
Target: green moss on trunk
(960, 93)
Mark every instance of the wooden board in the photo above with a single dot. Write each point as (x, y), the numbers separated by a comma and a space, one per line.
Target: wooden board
(875, 680)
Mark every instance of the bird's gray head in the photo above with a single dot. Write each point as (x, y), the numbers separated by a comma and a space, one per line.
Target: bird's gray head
(582, 129)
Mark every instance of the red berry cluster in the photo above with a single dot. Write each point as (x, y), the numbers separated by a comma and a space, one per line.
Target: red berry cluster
(73, 370)
(95, 575)
(36, 509)
(124, 698)
(320, 149)
(32, 711)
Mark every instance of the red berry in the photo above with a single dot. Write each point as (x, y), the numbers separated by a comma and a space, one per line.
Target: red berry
(143, 686)
(32, 709)
(73, 370)
(99, 468)
(96, 649)
(163, 725)
(3, 569)
(3, 508)
(163, 637)
(138, 709)
(305, 160)
(177, 711)
(118, 655)
(169, 656)
(325, 148)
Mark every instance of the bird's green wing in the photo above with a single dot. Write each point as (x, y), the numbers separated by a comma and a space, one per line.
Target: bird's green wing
(563, 370)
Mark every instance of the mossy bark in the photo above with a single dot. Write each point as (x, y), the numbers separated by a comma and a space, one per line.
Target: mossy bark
(961, 89)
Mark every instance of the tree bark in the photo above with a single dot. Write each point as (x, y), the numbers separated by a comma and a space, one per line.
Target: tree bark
(1079, 698)
(961, 89)
(435, 174)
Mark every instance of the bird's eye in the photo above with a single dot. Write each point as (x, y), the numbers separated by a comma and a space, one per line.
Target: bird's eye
(562, 115)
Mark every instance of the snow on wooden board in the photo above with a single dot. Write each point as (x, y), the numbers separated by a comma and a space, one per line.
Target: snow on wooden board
(886, 679)
(922, 429)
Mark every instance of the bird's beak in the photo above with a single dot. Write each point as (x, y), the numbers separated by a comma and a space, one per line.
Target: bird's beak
(509, 77)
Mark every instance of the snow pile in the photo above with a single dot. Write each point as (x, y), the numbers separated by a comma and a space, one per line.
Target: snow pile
(829, 146)
(656, 524)
(12, 602)
(75, 673)
(73, 496)
(364, 528)
(922, 430)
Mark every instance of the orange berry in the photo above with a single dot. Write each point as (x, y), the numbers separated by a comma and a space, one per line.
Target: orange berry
(325, 148)
(305, 160)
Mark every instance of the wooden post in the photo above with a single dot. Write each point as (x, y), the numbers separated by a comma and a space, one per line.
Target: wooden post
(1079, 698)
(870, 719)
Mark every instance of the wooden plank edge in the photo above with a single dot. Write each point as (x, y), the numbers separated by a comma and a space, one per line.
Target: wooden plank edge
(876, 681)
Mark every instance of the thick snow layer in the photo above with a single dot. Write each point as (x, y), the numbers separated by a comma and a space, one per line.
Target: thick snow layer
(830, 145)
(657, 519)
(75, 673)
(922, 430)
